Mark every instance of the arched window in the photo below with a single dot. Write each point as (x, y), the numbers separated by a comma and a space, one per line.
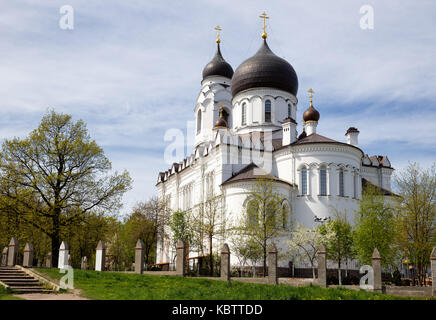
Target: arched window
(304, 181)
(323, 181)
(244, 114)
(198, 121)
(289, 110)
(267, 111)
(341, 182)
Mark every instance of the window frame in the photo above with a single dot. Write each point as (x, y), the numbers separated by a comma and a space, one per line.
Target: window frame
(268, 110)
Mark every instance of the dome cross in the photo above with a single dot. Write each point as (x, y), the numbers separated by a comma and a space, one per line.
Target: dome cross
(218, 29)
(264, 17)
(311, 96)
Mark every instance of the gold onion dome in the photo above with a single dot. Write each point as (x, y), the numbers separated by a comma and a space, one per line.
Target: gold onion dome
(221, 123)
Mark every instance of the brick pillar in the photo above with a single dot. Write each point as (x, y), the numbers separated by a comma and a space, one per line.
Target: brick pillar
(64, 251)
(139, 257)
(100, 256)
(272, 264)
(225, 262)
(84, 264)
(12, 252)
(433, 271)
(376, 266)
(28, 255)
(49, 261)
(322, 266)
(181, 259)
(5, 257)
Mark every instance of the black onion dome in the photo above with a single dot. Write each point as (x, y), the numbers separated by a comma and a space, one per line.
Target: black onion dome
(311, 114)
(218, 66)
(265, 69)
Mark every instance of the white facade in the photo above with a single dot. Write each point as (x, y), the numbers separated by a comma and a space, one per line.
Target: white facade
(316, 175)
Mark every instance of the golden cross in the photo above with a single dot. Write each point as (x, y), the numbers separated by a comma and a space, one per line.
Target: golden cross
(221, 109)
(218, 29)
(311, 95)
(264, 17)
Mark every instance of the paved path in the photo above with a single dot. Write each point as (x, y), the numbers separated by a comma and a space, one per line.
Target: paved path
(49, 296)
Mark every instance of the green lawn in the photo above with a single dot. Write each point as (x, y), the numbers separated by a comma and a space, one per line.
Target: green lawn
(4, 295)
(123, 286)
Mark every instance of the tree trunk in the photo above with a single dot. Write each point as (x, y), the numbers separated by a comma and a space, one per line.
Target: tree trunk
(55, 250)
(264, 260)
(313, 272)
(339, 273)
(211, 256)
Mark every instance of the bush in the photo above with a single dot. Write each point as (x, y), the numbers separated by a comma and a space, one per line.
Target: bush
(396, 278)
(156, 268)
(350, 280)
(332, 280)
(406, 282)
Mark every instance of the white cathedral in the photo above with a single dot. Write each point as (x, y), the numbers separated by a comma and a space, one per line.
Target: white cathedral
(246, 128)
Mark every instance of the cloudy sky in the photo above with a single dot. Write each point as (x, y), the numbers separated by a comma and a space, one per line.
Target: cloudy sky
(132, 70)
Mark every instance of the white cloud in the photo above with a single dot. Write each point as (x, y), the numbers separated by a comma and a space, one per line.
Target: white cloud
(132, 69)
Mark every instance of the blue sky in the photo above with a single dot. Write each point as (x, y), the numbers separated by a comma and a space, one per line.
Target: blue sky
(132, 70)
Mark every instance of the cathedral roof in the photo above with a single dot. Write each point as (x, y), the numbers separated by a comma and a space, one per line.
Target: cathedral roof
(265, 69)
(247, 173)
(218, 66)
(316, 138)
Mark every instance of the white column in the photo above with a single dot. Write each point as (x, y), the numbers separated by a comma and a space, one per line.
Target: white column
(63, 255)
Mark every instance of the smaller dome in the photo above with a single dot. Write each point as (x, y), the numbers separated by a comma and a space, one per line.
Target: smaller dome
(218, 66)
(220, 123)
(311, 114)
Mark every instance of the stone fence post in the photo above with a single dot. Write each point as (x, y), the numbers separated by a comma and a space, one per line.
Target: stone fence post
(12, 252)
(84, 264)
(181, 258)
(225, 262)
(433, 271)
(376, 266)
(28, 255)
(100, 256)
(5, 257)
(322, 266)
(272, 264)
(64, 251)
(49, 261)
(139, 257)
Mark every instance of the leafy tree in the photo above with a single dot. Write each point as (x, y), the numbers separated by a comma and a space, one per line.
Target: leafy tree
(373, 228)
(56, 175)
(416, 215)
(304, 244)
(338, 240)
(146, 221)
(246, 250)
(180, 227)
(208, 222)
(264, 218)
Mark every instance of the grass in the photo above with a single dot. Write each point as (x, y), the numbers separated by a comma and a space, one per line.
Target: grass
(124, 286)
(7, 295)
